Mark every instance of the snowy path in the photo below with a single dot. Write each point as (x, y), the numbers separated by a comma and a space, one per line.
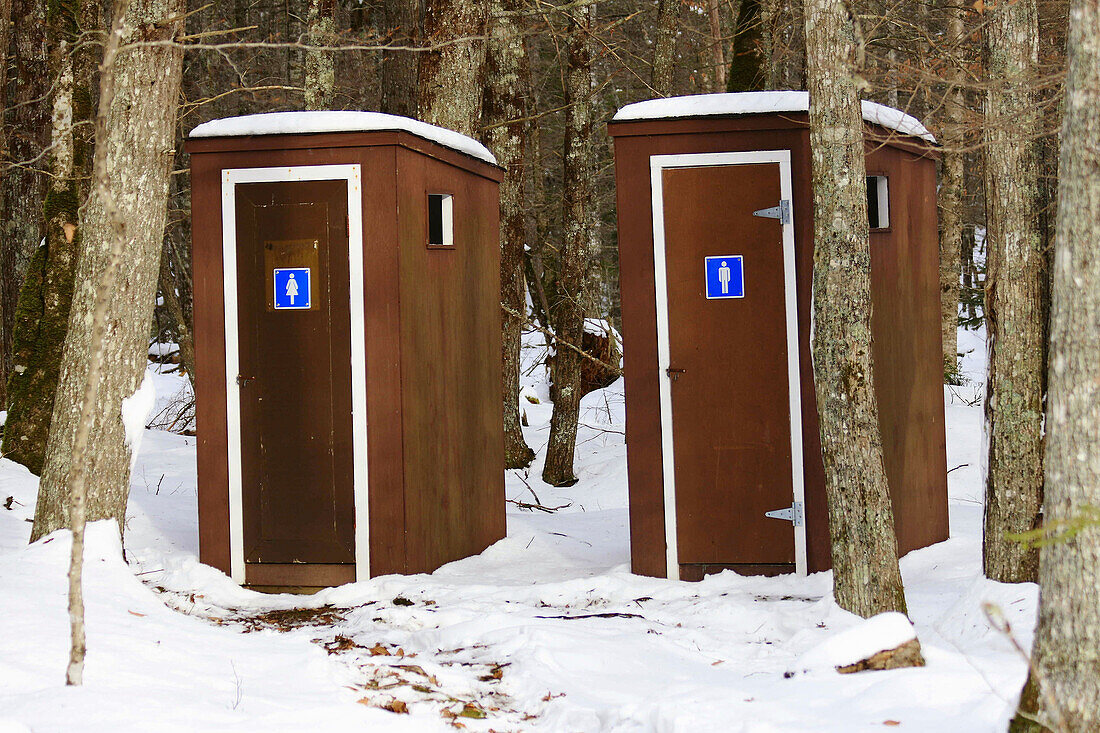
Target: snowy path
(546, 630)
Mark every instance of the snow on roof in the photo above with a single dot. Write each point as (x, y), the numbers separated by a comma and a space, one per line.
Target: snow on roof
(754, 103)
(289, 123)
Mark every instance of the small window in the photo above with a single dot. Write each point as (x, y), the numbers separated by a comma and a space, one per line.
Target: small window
(440, 220)
(878, 202)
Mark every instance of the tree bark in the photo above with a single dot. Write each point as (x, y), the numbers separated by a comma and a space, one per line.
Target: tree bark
(451, 75)
(22, 187)
(320, 69)
(134, 144)
(952, 188)
(506, 117)
(866, 579)
(1014, 294)
(1064, 692)
(580, 247)
(42, 318)
(399, 68)
(717, 48)
(664, 46)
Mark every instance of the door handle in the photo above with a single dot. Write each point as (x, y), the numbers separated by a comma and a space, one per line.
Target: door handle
(243, 381)
(674, 374)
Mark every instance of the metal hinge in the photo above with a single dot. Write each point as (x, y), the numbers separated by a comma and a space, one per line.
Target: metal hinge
(792, 514)
(781, 212)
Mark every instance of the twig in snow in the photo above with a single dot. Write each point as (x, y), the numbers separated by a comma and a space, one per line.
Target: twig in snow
(956, 468)
(540, 507)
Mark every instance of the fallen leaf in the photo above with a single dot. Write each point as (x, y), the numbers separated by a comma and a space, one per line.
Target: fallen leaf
(135, 613)
(715, 664)
(472, 711)
(396, 706)
(379, 651)
(891, 722)
(402, 601)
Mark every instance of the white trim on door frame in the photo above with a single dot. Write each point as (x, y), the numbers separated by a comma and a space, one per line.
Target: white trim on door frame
(353, 175)
(657, 165)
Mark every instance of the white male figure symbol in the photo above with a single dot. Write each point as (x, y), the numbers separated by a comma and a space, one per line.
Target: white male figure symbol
(723, 278)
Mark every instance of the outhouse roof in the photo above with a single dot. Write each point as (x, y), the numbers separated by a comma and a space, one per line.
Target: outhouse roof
(291, 123)
(750, 103)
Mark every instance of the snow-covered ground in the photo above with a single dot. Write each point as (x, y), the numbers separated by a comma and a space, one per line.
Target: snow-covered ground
(546, 630)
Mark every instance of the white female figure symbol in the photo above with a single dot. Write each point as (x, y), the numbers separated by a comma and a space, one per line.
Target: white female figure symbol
(292, 287)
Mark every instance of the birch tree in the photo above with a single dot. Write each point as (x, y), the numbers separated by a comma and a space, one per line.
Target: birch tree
(1064, 691)
(1014, 293)
(123, 235)
(866, 578)
(580, 246)
(507, 122)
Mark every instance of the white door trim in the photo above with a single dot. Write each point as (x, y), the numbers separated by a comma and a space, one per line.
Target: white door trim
(657, 165)
(353, 175)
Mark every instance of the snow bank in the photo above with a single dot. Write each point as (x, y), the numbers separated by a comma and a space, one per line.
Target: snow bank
(135, 411)
(283, 123)
(876, 634)
(755, 103)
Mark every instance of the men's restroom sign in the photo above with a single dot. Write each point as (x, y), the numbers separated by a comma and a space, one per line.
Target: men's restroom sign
(725, 277)
(292, 288)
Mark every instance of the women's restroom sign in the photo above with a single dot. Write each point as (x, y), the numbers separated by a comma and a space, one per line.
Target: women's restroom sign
(725, 277)
(292, 288)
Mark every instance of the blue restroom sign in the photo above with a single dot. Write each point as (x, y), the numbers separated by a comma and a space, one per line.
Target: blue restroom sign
(292, 288)
(725, 277)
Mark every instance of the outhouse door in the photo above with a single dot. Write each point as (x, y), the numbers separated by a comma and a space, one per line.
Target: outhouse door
(728, 363)
(294, 444)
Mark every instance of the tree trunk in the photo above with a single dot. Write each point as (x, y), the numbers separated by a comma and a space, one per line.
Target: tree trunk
(399, 68)
(135, 131)
(42, 318)
(952, 188)
(579, 248)
(664, 46)
(505, 116)
(451, 76)
(1065, 690)
(320, 71)
(866, 579)
(1014, 294)
(22, 188)
(717, 48)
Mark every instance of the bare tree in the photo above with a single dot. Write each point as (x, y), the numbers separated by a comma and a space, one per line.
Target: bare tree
(580, 247)
(664, 46)
(26, 122)
(399, 68)
(866, 579)
(320, 71)
(1014, 293)
(952, 187)
(105, 351)
(43, 315)
(1063, 692)
(507, 122)
(452, 74)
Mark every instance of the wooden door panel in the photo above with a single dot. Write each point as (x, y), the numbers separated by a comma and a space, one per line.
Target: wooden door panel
(731, 405)
(296, 447)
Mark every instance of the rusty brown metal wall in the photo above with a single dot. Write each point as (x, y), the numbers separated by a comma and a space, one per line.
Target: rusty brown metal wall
(451, 368)
(377, 153)
(922, 500)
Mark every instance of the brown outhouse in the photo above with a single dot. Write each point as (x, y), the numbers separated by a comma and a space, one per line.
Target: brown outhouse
(347, 345)
(716, 258)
